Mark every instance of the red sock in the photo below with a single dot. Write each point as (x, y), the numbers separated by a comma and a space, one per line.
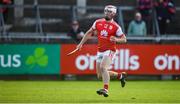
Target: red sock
(106, 86)
(119, 76)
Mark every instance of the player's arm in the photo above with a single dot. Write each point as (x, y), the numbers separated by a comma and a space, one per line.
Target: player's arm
(85, 38)
(121, 39)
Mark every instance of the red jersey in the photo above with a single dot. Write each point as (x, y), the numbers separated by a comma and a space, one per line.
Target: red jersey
(106, 29)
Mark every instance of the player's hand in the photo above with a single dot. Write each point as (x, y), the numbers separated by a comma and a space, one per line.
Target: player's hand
(113, 39)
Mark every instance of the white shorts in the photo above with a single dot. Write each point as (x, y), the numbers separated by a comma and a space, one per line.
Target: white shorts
(109, 53)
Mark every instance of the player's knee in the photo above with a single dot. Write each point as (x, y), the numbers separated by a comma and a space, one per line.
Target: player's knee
(102, 67)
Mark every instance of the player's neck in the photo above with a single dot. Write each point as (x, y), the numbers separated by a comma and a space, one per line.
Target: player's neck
(110, 20)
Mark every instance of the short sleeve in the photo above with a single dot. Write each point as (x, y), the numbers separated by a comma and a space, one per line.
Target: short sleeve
(94, 25)
(119, 31)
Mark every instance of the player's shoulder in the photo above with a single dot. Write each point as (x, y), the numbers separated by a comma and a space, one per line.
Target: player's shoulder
(100, 20)
(115, 23)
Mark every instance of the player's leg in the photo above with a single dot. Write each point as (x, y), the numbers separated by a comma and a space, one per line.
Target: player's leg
(103, 91)
(104, 65)
(120, 76)
(99, 75)
(106, 61)
(117, 75)
(98, 62)
(114, 74)
(98, 70)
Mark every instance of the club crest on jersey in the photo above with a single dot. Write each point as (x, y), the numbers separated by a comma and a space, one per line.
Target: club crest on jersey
(104, 33)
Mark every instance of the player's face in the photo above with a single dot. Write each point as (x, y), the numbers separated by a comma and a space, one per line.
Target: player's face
(109, 14)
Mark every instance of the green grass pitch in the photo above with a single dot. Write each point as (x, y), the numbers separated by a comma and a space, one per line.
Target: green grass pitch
(85, 92)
